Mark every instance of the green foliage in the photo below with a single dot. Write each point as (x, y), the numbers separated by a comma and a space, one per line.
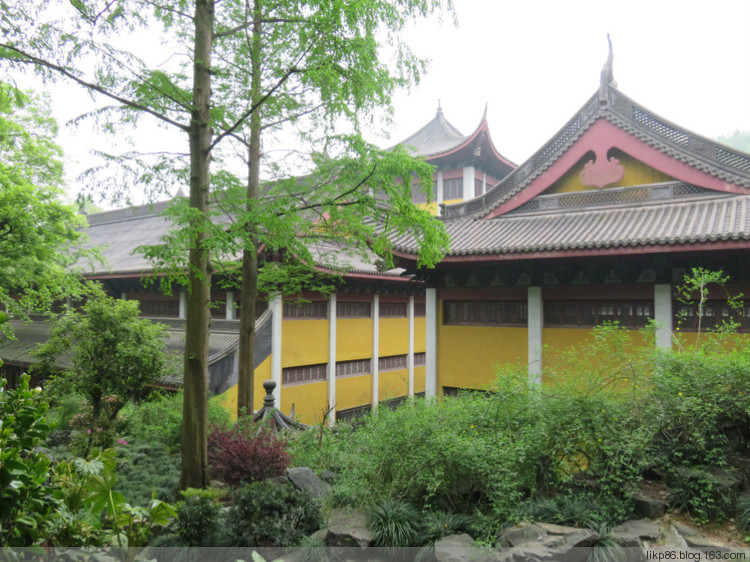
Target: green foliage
(25, 505)
(114, 354)
(572, 451)
(92, 513)
(698, 493)
(158, 419)
(396, 524)
(742, 515)
(197, 516)
(146, 470)
(37, 230)
(695, 290)
(270, 514)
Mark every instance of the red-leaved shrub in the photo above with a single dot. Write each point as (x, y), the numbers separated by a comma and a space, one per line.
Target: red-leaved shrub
(245, 453)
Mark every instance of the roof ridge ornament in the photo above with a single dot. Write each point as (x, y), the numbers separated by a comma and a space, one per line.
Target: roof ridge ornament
(439, 109)
(484, 115)
(607, 77)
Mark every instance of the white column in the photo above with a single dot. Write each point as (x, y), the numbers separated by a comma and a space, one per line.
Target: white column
(663, 315)
(431, 310)
(230, 306)
(484, 182)
(439, 190)
(410, 355)
(375, 352)
(332, 359)
(183, 305)
(468, 182)
(276, 304)
(536, 321)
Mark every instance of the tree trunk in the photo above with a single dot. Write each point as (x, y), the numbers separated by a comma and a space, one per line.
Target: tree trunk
(195, 403)
(246, 368)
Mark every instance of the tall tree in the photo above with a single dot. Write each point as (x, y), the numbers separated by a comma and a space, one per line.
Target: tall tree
(331, 55)
(37, 230)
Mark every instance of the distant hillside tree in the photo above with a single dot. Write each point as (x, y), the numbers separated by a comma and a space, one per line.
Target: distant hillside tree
(739, 140)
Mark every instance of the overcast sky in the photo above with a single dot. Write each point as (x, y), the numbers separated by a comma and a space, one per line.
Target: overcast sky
(535, 63)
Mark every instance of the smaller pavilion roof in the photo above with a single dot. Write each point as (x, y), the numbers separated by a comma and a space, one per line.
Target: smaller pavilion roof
(435, 137)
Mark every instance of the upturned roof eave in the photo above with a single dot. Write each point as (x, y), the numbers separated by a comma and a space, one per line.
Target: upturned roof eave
(695, 152)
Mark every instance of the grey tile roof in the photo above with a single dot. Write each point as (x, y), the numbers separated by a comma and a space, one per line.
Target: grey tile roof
(29, 336)
(119, 233)
(435, 137)
(700, 220)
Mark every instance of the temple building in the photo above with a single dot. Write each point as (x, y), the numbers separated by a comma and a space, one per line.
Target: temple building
(465, 166)
(600, 224)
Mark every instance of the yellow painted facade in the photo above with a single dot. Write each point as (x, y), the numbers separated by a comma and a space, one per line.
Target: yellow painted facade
(353, 391)
(353, 338)
(304, 342)
(636, 173)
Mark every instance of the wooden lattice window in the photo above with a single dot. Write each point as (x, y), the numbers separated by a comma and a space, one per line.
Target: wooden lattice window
(303, 374)
(160, 308)
(392, 363)
(453, 189)
(485, 313)
(715, 314)
(353, 310)
(305, 310)
(419, 359)
(420, 309)
(356, 367)
(393, 309)
(633, 315)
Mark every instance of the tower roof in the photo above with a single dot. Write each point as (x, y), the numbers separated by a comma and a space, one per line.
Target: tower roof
(435, 137)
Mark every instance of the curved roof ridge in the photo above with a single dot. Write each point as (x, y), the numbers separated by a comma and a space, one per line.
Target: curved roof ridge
(693, 149)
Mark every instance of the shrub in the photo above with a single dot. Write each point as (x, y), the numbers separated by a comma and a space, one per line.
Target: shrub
(158, 420)
(246, 453)
(145, 471)
(197, 516)
(269, 514)
(25, 505)
(396, 524)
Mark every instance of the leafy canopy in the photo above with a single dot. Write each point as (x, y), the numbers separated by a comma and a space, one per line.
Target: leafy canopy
(37, 230)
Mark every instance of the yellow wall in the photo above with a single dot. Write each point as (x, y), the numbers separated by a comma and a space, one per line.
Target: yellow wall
(304, 342)
(353, 338)
(468, 355)
(419, 379)
(393, 384)
(636, 173)
(394, 336)
(310, 401)
(353, 391)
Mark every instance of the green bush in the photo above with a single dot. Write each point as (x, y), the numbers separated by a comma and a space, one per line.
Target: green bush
(397, 524)
(197, 517)
(158, 420)
(146, 471)
(270, 514)
(25, 504)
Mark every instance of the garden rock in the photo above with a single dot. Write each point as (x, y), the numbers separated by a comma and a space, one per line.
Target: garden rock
(673, 539)
(455, 548)
(306, 481)
(649, 508)
(639, 529)
(578, 539)
(522, 534)
(329, 477)
(347, 528)
(697, 540)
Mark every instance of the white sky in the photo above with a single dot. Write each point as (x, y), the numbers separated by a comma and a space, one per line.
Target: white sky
(536, 62)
